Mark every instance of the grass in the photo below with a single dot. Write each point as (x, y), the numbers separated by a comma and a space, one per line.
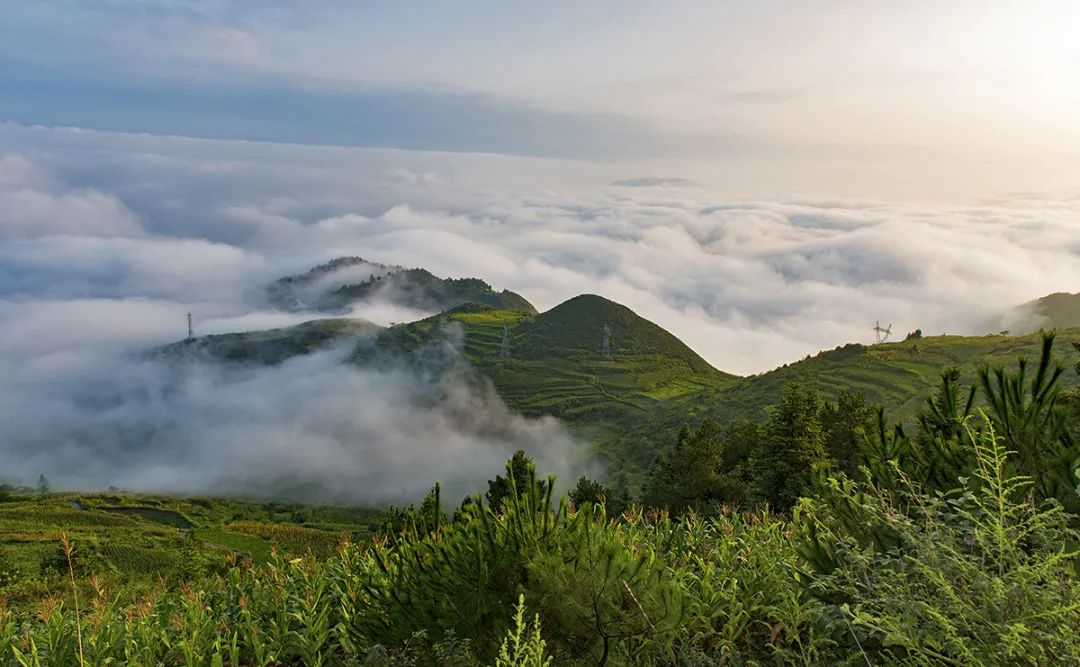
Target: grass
(137, 540)
(631, 403)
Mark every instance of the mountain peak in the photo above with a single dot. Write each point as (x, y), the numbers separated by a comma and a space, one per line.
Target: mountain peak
(344, 281)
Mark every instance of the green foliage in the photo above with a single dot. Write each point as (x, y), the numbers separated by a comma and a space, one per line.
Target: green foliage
(984, 577)
(590, 491)
(792, 446)
(602, 599)
(707, 468)
(520, 480)
(523, 646)
(847, 421)
(1027, 415)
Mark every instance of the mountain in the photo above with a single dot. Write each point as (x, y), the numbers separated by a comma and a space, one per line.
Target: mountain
(554, 363)
(270, 346)
(339, 283)
(898, 376)
(1060, 310)
(630, 396)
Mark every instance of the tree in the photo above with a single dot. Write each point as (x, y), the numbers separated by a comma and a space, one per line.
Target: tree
(42, 485)
(686, 476)
(1030, 417)
(520, 475)
(792, 445)
(590, 491)
(705, 469)
(982, 578)
(846, 422)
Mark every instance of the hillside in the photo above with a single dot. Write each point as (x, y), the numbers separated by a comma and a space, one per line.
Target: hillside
(142, 538)
(898, 376)
(335, 285)
(269, 346)
(1060, 310)
(631, 400)
(554, 362)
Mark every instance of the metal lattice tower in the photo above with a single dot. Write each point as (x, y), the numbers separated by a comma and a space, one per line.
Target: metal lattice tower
(190, 329)
(881, 334)
(605, 347)
(504, 351)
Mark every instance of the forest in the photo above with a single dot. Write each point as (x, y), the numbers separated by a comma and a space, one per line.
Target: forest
(827, 533)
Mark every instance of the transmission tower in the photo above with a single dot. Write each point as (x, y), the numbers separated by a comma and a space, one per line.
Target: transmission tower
(605, 347)
(190, 329)
(504, 351)
(881, 334)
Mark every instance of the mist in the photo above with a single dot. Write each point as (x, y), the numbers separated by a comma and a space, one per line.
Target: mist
(107, 241)
(315, 428)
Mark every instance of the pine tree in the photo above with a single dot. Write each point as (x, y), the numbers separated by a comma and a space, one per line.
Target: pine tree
(792, 445)
(520, 475)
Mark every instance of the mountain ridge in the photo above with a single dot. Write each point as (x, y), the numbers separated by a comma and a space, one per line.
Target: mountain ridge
(344, 281)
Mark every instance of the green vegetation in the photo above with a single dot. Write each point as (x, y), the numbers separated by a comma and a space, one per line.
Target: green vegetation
(271, 346)
(133, 542)
(982, 575)
(335, 285)
(906, 503)
(553, 363)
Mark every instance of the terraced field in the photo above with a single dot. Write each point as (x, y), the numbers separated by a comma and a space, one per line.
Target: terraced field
(554, 363)
(138, 540)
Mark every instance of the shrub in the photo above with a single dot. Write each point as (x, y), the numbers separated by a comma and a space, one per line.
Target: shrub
(982, 576)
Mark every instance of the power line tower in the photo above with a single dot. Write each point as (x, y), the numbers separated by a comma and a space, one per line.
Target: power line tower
(881, 334)
(504, 351)
(190, 329)
(605, 347)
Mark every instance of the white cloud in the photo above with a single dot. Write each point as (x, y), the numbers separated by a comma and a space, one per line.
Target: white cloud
(32, 204)
(194, 225)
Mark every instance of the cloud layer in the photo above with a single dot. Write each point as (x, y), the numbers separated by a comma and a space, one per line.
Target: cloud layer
(107, 240)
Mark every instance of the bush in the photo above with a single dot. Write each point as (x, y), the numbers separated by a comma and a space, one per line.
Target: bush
(981, 576)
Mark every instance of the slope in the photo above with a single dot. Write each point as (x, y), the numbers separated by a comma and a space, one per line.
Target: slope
(339, 283)
(1059, 310)
(554, 363)
(269, 346)
(898, 376)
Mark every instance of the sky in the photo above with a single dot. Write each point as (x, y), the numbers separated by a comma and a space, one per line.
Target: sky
(765, 180)
(872, 98)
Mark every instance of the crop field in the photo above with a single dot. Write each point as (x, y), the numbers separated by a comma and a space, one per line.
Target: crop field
(136, 541)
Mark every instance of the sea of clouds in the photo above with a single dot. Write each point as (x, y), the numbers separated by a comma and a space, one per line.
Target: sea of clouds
(108, 240)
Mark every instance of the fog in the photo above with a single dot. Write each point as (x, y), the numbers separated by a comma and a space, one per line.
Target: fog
(107, 241)
(314, 428)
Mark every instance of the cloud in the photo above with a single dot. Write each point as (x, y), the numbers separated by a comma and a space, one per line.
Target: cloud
(32, 204)
(654, 182)
(184, 225)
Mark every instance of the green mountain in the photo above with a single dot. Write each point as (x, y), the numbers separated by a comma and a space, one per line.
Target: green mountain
(334, 286)
(270, 346)
(631, 396)
(554, 363)
(898, 376)
(1060, 310)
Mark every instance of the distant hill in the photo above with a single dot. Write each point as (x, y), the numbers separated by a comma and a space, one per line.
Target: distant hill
(554, 363)
(1060, 310)
(336, 285)
(270, 346)
(631, 396)
(898, 376)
